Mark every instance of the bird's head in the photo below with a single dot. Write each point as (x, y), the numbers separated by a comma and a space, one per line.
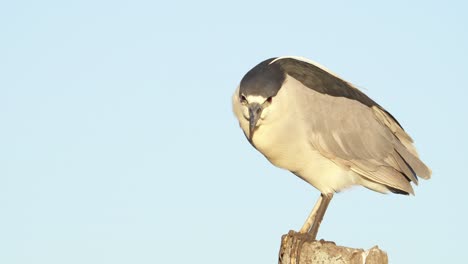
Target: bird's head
(257, 91)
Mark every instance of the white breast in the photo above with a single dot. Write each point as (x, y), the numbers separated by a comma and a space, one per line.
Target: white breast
(287, 148)
(284, 142)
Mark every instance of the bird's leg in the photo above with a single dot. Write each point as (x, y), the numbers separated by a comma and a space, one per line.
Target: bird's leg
(325, 201)
(310, 220)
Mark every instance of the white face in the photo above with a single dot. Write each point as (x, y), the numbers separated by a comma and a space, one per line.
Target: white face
(241, 110)
(276, 109)
(264, 102)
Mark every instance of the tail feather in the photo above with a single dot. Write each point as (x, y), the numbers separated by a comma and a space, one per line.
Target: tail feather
(404, 167)
(404, 147)
(414, 162)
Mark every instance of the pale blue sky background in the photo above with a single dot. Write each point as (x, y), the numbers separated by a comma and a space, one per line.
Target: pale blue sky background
(118, 144)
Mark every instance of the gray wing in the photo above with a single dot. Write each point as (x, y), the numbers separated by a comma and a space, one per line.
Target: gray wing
(348, 127)
(364, 138)
(361, 138)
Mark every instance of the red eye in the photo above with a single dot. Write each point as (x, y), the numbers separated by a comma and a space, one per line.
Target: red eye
(243, 100)
(270, 99)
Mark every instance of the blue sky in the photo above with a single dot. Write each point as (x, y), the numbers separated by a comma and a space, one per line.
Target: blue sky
(118, 143)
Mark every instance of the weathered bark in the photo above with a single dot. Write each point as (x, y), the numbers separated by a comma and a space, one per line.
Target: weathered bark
(297, 248)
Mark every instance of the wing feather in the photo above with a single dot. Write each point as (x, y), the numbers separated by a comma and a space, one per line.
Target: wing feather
(362, 139)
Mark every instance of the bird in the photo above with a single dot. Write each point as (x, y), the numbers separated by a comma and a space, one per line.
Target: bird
(306, 119)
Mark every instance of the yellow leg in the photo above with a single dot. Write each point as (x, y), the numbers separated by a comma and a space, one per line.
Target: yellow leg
(310, 220)
(325, 201)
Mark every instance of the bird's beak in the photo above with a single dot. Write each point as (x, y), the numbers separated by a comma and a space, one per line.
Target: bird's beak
(255, 111)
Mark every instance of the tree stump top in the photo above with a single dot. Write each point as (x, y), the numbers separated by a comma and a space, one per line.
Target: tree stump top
(297, 248)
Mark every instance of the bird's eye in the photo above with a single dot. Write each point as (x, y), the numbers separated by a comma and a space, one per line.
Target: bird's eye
(269, 100)
(243, 100)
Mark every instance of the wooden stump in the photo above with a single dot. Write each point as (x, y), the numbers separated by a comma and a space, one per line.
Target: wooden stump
(297, 248)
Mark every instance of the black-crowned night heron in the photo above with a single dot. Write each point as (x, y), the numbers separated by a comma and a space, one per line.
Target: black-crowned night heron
(307, 120)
